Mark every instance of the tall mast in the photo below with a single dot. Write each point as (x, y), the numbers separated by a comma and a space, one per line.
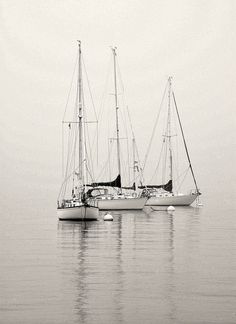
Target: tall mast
(117, 118)
(169, 129)
(80, 116)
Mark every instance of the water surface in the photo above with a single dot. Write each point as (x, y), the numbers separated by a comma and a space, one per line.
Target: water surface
(144, 267)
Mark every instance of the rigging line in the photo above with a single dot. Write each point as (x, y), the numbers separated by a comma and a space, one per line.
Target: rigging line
(73, 156)
(182, 173)
(126, 112)
(67, 101)
(72, 141)
(123, 115)
(89, 88)
(136, 146)
(124, 122)
(127, 142)
(176, 159)
(116, 110)
(72, 138)
(124, 169)
(124, 118)
(110, 154)
(71, 144)
(104, 168)
(119, 76)
(109, 164)
(76, 131)
(62, 153)
(88, 171)
(164, 160)
(92, 101)
(87, 137)
(185, 145)
(76, 128)
(61, 192)
(108, 75)
(113, 138)
(86, 160)
(71, 83)
(128, 157)
(124, 99)
(67, 160)
(166, 138)
(179, 186)
(158, 164)
(139, 168)
(65, 175)
(129, 119)
(65, 181)
(103, 101)
(176, 143)
(131, 126)
(87, 166)
(97, 141)
(175, 163)
(88, 153)
(154, 128)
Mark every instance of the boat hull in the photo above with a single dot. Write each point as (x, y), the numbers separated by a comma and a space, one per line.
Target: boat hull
(121, 204)
(78, 213)
(181, 200)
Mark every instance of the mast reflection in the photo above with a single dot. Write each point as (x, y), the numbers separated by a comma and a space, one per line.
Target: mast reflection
(95, 248)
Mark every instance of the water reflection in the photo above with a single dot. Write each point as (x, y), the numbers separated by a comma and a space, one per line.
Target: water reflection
(97, 276)
(72, 236)
(148, 267)
(126, 270)
(172, 288)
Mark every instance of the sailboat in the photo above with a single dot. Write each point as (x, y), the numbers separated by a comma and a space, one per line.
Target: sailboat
(76, 206)
(166, 194)
(120, 200)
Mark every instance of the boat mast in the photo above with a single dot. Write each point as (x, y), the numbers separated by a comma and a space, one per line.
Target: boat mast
(117, 108)
(80, 116)
(169, 129)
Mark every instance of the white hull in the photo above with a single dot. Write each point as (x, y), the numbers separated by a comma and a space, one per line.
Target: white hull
(181, 200)
(121, 203)
(78, 213)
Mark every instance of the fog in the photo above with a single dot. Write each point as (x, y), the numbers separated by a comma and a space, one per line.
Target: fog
(193, 41)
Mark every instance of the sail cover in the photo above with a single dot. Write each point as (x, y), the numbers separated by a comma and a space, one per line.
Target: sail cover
(114, 183)
(166, 187)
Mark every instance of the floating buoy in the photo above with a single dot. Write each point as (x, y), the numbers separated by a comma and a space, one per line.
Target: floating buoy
(108, 217)
(170, 208)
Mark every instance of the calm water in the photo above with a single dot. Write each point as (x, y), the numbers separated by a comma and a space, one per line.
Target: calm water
(144, 267)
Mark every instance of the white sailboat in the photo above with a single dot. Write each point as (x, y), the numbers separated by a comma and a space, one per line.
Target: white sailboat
(166, 194)
(120, 200)
(76, 207)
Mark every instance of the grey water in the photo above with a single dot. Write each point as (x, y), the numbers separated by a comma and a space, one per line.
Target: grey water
(144, 267)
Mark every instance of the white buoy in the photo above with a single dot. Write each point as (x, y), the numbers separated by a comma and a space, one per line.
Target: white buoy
(170, 208)
(108, 217)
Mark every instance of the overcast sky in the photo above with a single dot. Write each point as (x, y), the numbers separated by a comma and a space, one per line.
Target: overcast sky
(193, 41)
